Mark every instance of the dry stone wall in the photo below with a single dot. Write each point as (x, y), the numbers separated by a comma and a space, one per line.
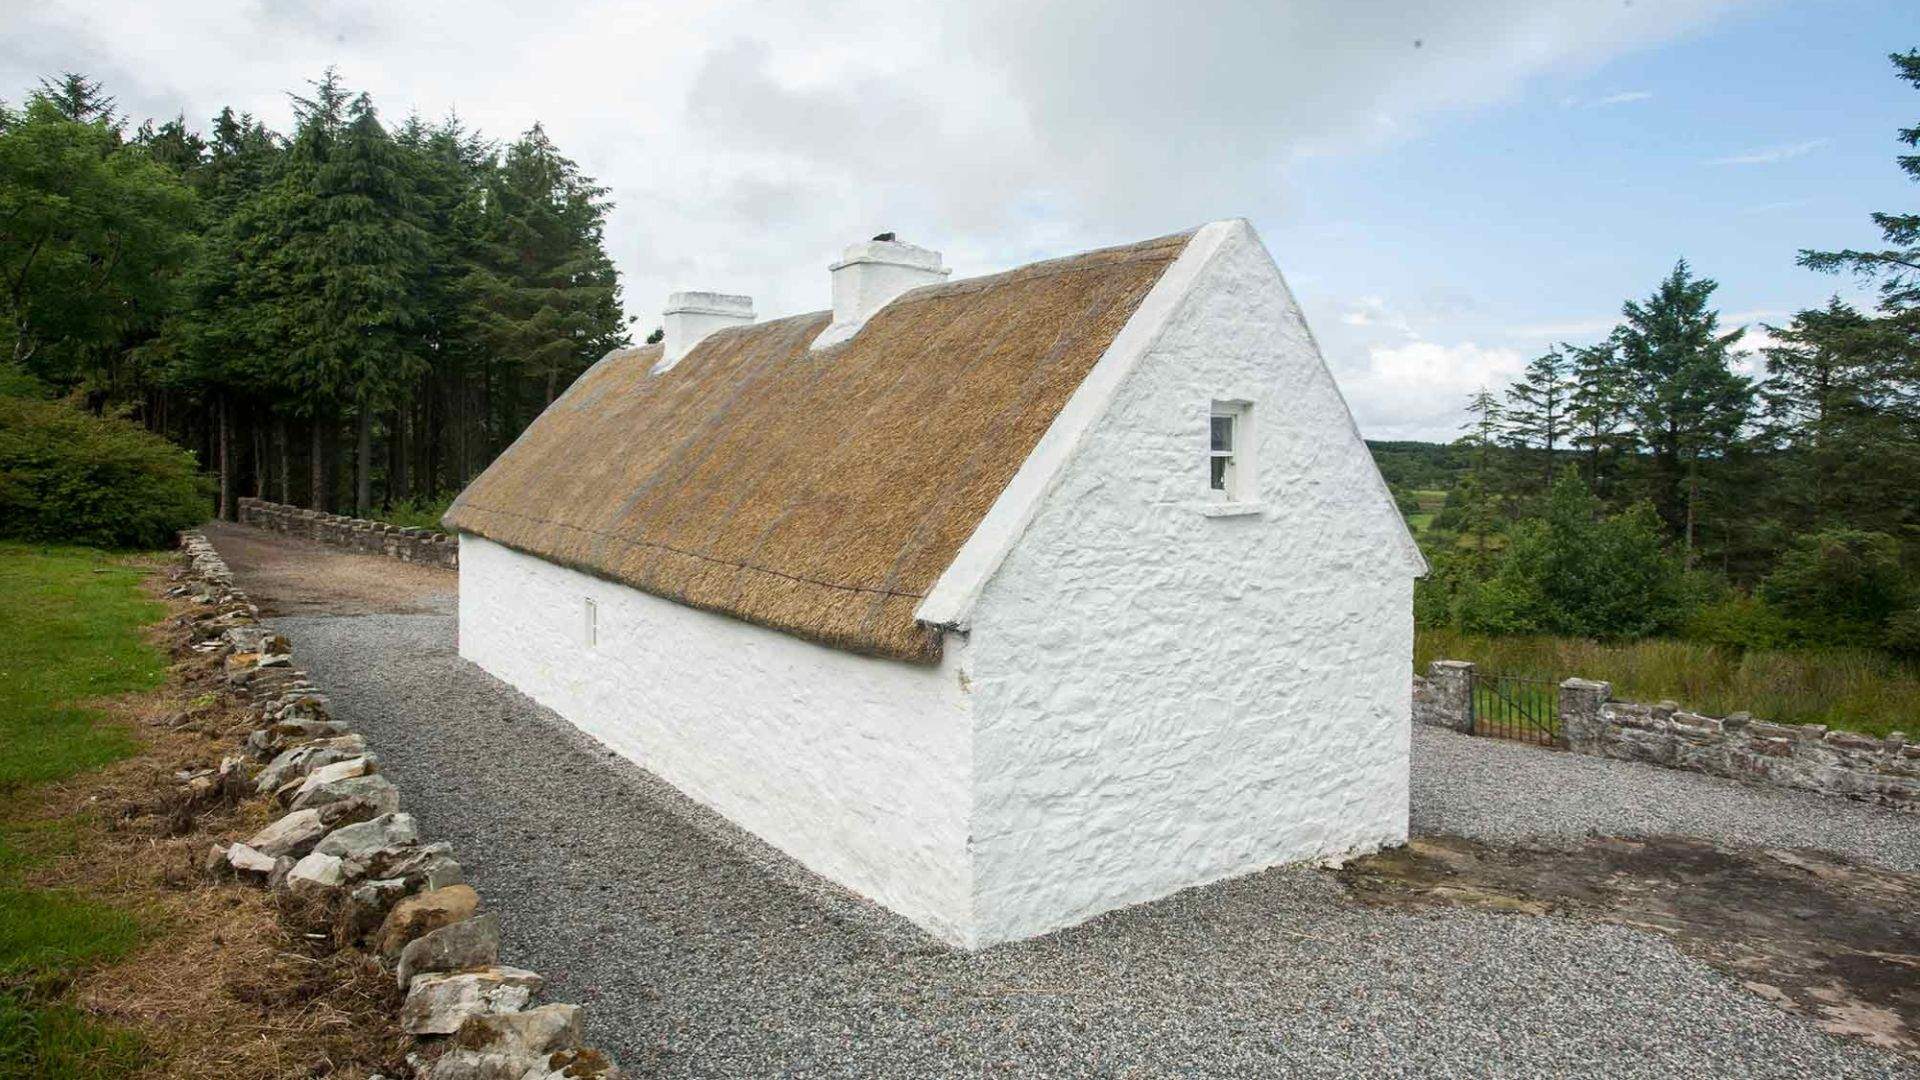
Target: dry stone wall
(1809, 757)
(345, 857)
(357, 534)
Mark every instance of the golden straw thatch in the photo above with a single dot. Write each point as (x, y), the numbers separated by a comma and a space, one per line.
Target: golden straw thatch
(817, 493)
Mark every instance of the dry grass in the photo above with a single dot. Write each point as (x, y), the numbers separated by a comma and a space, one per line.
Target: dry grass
(221, 985)
(1853, 689)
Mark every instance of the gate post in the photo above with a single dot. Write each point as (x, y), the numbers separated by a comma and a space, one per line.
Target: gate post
(1581, 728)
(1453, 692)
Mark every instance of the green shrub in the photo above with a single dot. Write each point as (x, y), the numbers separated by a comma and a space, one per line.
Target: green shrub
(71, 477)
(1902, 635)
(1744, 622)
(1839, 587)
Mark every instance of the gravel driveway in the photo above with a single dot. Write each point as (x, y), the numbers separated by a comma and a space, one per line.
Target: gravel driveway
(703, 953)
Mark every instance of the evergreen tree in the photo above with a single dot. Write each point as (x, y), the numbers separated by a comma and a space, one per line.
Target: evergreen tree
(1838, 399)
(81, 100)
(545, 294)
(1898, 264)
(1686, 401)
(1536, 416)
(1597, 412)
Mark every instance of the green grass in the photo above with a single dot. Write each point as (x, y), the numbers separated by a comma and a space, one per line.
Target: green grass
(70, 631)
(1855, 689)
(415, 513)
(1430, 502)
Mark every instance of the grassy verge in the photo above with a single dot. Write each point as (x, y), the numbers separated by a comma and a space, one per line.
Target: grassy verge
(415, 513)
(70, 633)
(1844, 688)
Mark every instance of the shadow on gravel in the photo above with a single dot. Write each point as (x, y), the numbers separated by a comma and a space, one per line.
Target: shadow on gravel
(1814, 934)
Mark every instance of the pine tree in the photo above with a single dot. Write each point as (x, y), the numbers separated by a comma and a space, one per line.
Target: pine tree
(1598, 414)
(546, 297)
(1898, 264)
(1536, 416)
(80, 99)
(1479, 500)
(1685, 399)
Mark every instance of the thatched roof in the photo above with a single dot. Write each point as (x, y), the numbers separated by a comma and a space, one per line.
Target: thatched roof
(819, 493)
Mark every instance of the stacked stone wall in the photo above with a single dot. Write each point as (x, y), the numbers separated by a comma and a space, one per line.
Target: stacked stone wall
(1808, 757)
(351, 866)
(401, 542)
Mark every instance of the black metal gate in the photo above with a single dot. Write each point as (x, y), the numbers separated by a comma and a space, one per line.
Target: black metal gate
(1510, 707)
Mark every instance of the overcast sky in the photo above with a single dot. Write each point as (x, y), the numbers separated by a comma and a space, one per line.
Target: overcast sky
(1449, 186)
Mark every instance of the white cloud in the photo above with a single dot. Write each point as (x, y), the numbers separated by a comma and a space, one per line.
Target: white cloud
(746, 141)
(1624, 97)
(1417, 390)
(1768, 155)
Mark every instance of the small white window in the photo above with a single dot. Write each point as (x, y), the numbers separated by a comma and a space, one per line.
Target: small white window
(1233, 488)
(1223, 478)
(590, 623)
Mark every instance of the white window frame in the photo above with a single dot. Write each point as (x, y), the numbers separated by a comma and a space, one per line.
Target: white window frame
(589, 621)
(1241, 491)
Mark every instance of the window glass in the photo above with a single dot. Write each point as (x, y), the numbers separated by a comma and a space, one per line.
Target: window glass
(1223, 433)
(1220, 474)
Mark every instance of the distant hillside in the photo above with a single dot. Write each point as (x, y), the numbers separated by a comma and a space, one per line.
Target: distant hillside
(1419, 466)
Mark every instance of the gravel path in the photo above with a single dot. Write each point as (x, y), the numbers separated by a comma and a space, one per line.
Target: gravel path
(1498, 791)
(703, 953)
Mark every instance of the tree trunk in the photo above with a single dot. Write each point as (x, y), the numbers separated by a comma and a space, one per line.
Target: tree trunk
(317, 498)
(1693, 496)
(363, 463)
(259, 455)
(286, 465)
(225, 454)
(399, 447)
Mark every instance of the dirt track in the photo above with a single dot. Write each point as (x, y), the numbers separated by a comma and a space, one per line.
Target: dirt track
(291, 576)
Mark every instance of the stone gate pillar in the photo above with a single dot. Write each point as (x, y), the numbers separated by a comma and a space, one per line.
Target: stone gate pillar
(1581, 728)
(1453, 692)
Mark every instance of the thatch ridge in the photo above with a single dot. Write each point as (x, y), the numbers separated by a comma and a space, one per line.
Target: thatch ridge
(818, 493)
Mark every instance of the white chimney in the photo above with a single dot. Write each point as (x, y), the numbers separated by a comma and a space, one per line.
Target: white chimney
(868, 277)
(691, 316)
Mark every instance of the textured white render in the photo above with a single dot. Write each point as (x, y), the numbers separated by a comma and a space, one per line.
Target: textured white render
(858, 768)
(1164, 694)
(690, 317)
(869, 276)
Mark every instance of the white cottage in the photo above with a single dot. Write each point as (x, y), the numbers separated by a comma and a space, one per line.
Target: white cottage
(1003, 602)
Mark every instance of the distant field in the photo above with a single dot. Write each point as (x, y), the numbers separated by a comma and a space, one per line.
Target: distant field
(1854, 689)
(1430, 503)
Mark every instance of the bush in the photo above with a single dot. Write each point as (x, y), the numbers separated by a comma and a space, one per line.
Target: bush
(1839, 587)
(72, 477)
(1902, 635)
(1574, 572)
(1743, 622)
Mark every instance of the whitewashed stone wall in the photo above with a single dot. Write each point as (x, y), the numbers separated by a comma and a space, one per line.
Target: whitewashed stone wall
(1152, 692)
(856, 767)
(1166, 698)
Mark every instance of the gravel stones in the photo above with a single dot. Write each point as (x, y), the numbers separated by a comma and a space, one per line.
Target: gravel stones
(469, 943)
(707, 954)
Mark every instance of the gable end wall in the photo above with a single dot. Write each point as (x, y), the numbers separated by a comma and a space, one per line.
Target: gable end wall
(1164, 698)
